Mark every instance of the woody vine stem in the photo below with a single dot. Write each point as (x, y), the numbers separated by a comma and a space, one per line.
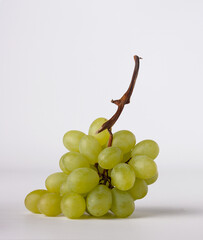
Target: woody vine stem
(125, 99)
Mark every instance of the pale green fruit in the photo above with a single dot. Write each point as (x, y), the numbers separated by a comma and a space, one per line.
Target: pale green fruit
(99, 201)
(122, 203)
(54, 181)
(101, 137)
(152, 180)
(49, 204)
(83, 180)
(124, 139)
(139, 189)
(90, 148)
(146, 147)
(123, 176)
(32, 199)
(61, 165)
(109, 157)
(73, 205)
(73, 160)
(71, 140)
(143, 166)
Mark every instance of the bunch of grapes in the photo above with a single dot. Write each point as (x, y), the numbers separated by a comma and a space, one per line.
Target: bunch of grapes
(97, 178)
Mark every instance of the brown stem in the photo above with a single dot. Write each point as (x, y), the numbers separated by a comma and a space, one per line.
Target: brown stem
(110, 138)
(125, 99)
(97, 167)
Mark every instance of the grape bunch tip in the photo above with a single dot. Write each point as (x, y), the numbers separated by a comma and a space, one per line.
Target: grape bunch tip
(102, 172)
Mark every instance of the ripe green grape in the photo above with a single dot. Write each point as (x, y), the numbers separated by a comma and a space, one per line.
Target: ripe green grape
(73, 205)
(49, 204)
(99, 201)
(152, 179)
(123, 176)
(139, 189)
(61, 165)
(143, 166)
(73, 160)
(90, 148)
(54, 181)
(122, 203)
(109, 157)
(32, 199)
(126, 157)
(147, 147)
(83, 180)
(101, 137)
(124, 139)
(65, 188)
(71, 140)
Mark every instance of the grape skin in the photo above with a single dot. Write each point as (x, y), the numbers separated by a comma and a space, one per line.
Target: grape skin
(139, 189)
(152, 180)
(74, 160)
(90, 148)
(54, 181)
(126, 156)
(124, 139)
(61, 165)
(71, 140)
(73, 205)
(143, 166)
(99, 201)
(122, 203)
(49, 204)
(123, 176)
(65, 188)
(110, 157)
(146, 147)
(83, 180)
(32, 199)
(101, 137)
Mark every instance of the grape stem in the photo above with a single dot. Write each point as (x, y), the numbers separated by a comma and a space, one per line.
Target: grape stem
(125, 99)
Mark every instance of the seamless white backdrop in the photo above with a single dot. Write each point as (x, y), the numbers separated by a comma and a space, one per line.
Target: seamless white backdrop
(61, 62)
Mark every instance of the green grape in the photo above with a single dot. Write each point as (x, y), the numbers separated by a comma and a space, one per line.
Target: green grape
(139, 189)
(73, 205)
(152, 179)
(99, 201)
(109, 157)
(122, 176)
(147, 147)
(101, 137)
(32, 199)
(143, 166)
(65, 188)
(71, 140)
(126, 157)
(61, 165)
(49, 204)
(122, 203)
(54, 181)
(124, 139)
(90, 148)
(73, 160)
(83, 180)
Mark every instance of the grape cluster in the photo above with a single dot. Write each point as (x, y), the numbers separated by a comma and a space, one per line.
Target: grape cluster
(97, 178)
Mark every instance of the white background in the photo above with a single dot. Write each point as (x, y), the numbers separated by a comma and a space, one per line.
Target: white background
(61, 62)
